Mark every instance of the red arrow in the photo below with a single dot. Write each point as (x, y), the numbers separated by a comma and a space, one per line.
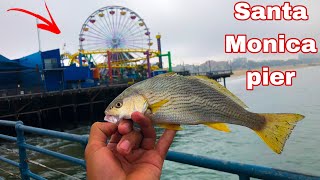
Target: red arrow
(48, 26)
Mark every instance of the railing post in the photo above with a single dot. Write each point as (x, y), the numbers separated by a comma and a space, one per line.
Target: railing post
(243, 177)
(23, 165)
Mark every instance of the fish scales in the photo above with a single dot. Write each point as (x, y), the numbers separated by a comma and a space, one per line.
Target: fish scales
(192, 102)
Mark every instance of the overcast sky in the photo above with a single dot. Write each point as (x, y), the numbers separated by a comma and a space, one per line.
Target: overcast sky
(193, 30)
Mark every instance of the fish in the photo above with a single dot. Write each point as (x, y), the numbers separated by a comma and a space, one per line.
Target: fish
(171, 100)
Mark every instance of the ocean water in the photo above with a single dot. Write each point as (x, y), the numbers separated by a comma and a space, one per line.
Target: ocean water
(301, 153)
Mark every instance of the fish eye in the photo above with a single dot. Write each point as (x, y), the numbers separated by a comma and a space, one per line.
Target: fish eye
(118, 105)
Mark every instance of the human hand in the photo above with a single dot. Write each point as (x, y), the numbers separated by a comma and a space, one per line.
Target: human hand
(130, 153)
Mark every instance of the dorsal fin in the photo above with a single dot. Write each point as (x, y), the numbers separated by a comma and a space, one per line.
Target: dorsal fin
(168, 74)
(217, 86)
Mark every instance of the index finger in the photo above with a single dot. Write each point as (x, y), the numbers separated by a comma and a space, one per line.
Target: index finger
(100, 131)
(147, 130)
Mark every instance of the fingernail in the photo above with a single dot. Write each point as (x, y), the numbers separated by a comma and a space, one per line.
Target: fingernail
(125, 145)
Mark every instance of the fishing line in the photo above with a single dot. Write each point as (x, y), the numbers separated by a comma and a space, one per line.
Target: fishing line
(9, 150)
(35, 163)
(46, 167)
(10, 173)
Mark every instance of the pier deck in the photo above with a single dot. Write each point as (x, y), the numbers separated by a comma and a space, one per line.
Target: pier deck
(217, 75)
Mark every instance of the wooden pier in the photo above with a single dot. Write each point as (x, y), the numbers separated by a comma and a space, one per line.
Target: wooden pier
(60, 110)
(216, 75)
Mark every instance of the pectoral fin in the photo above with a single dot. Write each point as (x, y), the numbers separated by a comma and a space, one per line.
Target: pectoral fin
(171, 126)
(154, 107)
(218, 126)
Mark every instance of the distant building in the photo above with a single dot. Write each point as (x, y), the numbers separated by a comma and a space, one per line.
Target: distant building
(31, 73)
(309, 58)
(41, 72)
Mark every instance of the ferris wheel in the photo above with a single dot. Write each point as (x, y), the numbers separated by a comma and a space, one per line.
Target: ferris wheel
(117, 29)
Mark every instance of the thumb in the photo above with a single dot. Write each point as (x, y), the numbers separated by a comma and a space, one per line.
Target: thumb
(165, 142)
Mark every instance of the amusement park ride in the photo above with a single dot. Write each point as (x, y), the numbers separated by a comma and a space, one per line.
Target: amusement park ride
(115, 38)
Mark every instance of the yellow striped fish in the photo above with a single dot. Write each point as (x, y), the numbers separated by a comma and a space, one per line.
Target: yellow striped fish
(170, 100)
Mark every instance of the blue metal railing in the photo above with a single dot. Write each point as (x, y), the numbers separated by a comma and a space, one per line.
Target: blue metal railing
(244, 171)
(25, 173)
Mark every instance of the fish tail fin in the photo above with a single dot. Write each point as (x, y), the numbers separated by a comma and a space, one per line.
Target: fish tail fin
(278, 129)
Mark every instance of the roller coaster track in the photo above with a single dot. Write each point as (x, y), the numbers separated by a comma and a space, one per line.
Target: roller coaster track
(115, 64)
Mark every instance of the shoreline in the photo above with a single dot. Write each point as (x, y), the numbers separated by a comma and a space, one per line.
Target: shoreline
(242, 72)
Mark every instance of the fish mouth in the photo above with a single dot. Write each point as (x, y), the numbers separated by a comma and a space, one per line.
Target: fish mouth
(112, 119)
